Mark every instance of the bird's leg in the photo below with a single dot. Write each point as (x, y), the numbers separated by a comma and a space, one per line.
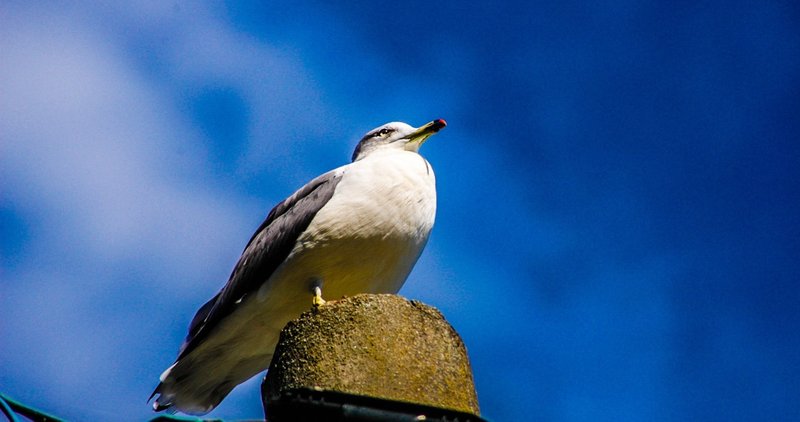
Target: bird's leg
(317, 301)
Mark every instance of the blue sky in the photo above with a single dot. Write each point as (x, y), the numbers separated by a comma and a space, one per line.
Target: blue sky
(618, 223)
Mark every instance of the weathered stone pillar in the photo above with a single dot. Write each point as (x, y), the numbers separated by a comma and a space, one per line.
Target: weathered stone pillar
(379, 346)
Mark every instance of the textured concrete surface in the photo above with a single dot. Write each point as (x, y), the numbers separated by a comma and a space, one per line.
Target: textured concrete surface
(377, 345)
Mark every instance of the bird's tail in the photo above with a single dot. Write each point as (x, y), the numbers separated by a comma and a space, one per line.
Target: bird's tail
(163, 401)
(195, 388)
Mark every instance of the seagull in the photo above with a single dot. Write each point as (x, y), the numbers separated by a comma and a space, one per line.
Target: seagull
(359, 228)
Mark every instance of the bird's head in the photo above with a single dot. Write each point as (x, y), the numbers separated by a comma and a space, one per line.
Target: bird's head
(396, 135)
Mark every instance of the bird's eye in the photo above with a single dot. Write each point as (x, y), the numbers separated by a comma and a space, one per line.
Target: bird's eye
(383, 132)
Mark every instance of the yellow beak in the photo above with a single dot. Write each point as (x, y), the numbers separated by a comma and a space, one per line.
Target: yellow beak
(425, 131)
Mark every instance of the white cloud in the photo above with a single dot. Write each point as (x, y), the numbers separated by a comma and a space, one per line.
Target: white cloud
(114, 184)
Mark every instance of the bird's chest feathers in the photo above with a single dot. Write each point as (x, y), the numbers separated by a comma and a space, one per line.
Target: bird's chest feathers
(390, 197)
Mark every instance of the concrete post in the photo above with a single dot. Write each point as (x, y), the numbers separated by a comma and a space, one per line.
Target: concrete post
(376, 345)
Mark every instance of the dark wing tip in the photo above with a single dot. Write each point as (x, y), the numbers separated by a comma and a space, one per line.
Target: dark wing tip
(158, 406)
(156, 391)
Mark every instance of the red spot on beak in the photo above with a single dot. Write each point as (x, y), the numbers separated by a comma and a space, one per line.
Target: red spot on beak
(438, 124)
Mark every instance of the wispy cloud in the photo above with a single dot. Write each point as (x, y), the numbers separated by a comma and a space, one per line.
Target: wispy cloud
(110, 177)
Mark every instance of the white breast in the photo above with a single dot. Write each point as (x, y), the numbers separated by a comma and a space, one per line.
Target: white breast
(388, 193)
(368, 236)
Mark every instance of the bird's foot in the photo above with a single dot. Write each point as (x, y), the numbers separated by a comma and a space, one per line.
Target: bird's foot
(317, 301)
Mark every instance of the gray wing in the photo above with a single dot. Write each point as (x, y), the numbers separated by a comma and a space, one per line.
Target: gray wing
(266, 250)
